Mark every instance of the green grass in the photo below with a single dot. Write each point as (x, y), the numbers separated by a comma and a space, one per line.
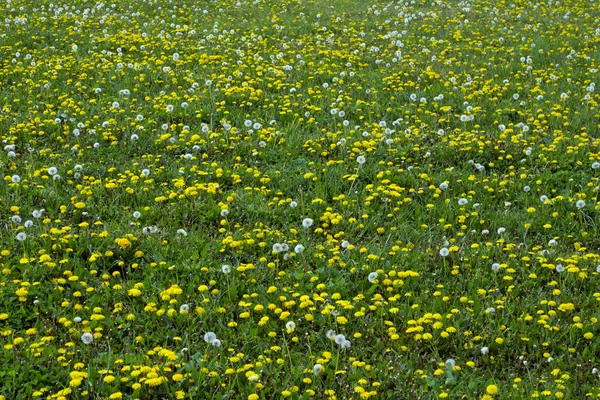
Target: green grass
(514, 303)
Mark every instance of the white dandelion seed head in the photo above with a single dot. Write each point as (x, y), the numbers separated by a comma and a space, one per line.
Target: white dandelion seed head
(21, 236)
(290, 325)
(330, 334)
(298, 249)
(224, 212)
(552, 243)
(501, 230)
(293, 204)
(184, 308)
(450, 363)
(580, 204)
(145, 172)
(462, 201)
(210, 337)
(444, 252)
(361, 160)
(495, 267)
(373, 277)
(339, 339)
(307, 223)
(15, 179)
(52, 171)
(77, 320)
(87, 338)
(137, 214)
(485, 350)
(225, 268)
(443, 186)
(182, 232)
(345, 244)
(216, 343)
(277, 248)
(346, 344)
(317, 369)
(559, 268)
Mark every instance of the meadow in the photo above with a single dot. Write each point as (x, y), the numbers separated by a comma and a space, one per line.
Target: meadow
(299, 199)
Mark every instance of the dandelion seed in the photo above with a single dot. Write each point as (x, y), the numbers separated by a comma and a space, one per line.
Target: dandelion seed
(552, 243)
(290, 326)
(77, 320)
(580, 204)
(485, 350)
(345, 244)
(450, 363)
(137, 214)
(559, 268)
(596, 165)
(346, 344)
(373, 277)
(501, 231)
(87, 338)
(361, 160)
(490, 310)
(317, 369)
(210, 337)
(444, 252)
(184, 308)
(224, 213)
(298, 249)
(28, 223)
(495, 267)
(307, 223)
(216, 343)
(339, 339)
(330, 334)
(443, 186)
(21, 236)
(15, 179)
(182, 232)
(170, 108)
(293, 204)
(16, 219)
(462, 201)
(277, 248)
(145, 172)
(226, 269)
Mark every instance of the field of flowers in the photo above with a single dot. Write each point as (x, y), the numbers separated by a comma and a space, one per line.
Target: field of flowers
(304, 199)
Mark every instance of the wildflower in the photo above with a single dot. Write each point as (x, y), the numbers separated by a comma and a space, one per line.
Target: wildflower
(559, 268)
(317, 369)
(224, 213)
(137, 214)
(15, 179)
(87, 338)
(339, 339)
(210, 337)
(298, 249)
(307, 223)
(21, 236)
(443, 186)
(491, 389)
(462, 201)
(52, 171)
(373, 277)
(361, 160)
(277, 248)
(226, 269)
(216, 343)
(444, 252)
(293, 204)
(580, 204)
